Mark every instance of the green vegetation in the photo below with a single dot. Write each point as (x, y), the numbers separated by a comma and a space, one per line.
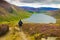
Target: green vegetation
(16, 14)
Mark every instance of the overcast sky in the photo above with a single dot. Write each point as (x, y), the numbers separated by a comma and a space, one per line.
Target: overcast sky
(36, 3)
(40, 1)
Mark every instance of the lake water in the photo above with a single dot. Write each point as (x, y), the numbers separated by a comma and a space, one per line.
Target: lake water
(40, 18)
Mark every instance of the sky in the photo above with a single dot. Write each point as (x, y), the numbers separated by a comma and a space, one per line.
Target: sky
(36, 3)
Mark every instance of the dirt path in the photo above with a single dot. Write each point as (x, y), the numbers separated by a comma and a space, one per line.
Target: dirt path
(49, 38)
(21, 34)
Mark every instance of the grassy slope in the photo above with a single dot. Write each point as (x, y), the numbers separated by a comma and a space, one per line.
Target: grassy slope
(16, 14)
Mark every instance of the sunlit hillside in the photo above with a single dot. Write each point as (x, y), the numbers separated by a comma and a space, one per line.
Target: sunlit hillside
(10, 12)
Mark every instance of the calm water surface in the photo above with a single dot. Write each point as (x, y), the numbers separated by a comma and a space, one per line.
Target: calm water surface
(40, 18)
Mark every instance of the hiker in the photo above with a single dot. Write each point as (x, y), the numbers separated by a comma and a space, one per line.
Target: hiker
(20, 23)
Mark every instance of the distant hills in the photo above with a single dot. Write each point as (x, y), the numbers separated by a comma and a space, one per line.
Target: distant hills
(40, 9)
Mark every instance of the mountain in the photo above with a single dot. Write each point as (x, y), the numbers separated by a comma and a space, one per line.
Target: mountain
(40, 9)
(9, 12)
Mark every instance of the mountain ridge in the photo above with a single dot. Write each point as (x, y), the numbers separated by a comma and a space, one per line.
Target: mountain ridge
(38, 9)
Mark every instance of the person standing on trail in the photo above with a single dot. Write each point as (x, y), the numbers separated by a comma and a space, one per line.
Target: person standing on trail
(20, 23)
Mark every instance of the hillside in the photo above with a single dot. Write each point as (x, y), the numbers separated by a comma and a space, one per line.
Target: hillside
(55, 14)
(9, 12)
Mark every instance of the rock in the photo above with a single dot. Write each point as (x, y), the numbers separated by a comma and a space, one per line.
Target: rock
(3, 29)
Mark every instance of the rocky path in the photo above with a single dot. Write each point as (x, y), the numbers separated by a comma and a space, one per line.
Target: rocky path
(20, 33)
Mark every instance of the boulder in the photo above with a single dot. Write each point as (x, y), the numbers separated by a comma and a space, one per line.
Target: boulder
(3, 29)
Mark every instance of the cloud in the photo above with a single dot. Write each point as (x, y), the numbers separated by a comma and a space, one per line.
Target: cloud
(40, 1)
(35, 5)
(37, 1)
(27, 1)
